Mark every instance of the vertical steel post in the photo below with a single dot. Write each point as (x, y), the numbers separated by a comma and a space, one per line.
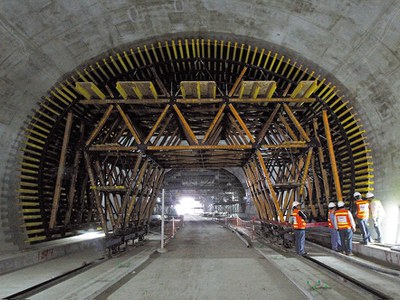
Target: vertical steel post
(162, 220)
(173, 227)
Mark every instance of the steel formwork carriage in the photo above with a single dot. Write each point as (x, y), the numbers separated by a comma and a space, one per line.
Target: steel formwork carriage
(98, 147)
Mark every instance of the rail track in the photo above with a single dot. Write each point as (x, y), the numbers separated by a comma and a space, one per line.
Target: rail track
(277, 243)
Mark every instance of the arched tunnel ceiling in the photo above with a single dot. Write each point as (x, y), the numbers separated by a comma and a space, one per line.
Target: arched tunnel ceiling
(352, 43)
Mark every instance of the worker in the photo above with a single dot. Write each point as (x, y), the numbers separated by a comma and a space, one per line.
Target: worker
(362, 216)
(345, 224)
(377, 214)
(298, 219)
(335, 239)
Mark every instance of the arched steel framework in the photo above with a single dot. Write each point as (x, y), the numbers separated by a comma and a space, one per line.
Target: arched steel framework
(97, 149)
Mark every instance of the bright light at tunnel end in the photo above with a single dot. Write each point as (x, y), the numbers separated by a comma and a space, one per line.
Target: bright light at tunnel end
(187, 205)
(391, 222)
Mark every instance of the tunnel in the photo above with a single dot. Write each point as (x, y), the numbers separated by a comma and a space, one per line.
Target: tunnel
(98, 147)
(249, 105)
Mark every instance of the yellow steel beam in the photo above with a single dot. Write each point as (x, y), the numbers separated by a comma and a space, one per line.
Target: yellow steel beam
(60, 172)
(305, 171)
(214, 122)
(192, 137)
(270, 186)
(238, 80)
(100, 125)
(332, 155)
(198, 147)
(288, 128)
(242, 124)
(296, 122)
(155, 126)
(128, 123)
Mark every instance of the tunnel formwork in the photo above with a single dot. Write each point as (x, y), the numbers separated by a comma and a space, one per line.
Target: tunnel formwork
(98, 146)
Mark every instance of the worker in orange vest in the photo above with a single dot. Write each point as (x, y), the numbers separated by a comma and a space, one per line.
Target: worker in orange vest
(298, 219)
(346, 226)
(362, 215)
(335, 239)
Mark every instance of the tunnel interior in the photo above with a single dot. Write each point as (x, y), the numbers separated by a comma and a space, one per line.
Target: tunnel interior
(102, 142)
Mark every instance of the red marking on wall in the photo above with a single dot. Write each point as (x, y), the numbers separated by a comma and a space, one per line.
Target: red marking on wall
(45, 254)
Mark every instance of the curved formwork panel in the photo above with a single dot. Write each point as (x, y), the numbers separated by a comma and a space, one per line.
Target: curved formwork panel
(98, 147)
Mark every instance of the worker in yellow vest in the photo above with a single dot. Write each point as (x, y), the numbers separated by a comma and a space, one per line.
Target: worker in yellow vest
(298, 220)
(362, 215)
(335, 239)
(346, 226)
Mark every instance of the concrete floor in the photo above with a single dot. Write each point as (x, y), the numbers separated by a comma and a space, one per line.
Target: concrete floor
(203, 261)
(206, 261)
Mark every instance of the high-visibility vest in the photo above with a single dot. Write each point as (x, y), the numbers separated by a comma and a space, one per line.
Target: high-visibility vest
(362, 209)
(342, 219)
(298, 222)
(330, 224)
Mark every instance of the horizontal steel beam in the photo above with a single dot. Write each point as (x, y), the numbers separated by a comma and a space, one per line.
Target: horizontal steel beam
(195, 100)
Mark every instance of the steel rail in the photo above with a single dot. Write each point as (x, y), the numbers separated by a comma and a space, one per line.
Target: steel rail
(358, 283)
(24, 294)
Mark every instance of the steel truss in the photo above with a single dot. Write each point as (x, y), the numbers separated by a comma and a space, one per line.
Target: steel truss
(97, 150)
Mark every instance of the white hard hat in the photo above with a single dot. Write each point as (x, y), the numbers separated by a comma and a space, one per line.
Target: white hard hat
(295, 203)
(357, 194)
(369, 195)
(331, 205)
(340, 204)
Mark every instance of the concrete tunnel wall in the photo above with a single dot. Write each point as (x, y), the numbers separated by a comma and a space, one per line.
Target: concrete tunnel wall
(355, 44)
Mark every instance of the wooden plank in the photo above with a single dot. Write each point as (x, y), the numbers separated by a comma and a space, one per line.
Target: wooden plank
(199, 89)
(256, 89)
(137, 90)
